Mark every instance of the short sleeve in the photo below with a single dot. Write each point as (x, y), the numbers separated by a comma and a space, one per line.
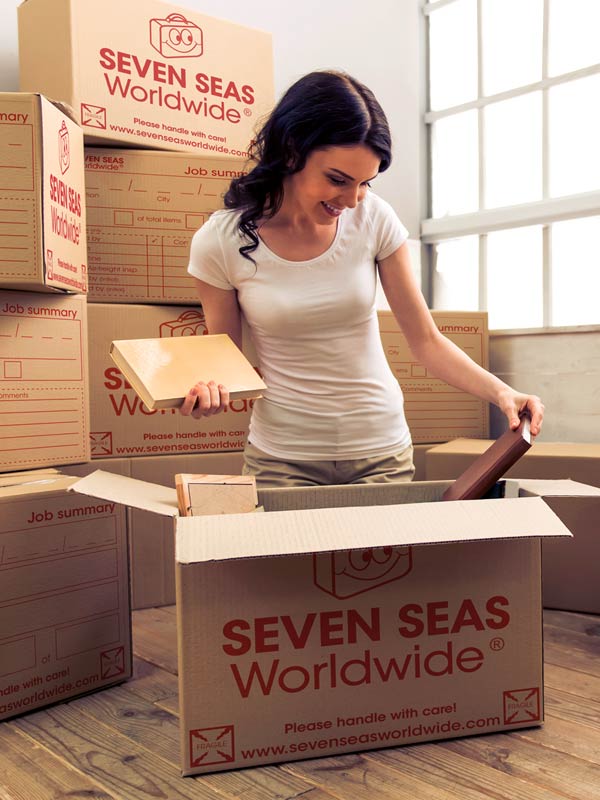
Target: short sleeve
(389, 232)
(207, 260)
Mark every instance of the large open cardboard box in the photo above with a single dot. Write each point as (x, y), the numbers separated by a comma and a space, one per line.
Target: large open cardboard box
(42, 197)
(351, 618)
(64, 593)
(44, 392)
(571, 579)
(147, 73)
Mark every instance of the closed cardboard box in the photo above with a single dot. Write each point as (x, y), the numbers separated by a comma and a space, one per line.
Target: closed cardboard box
(151, 539)
(148, 73)
(42, 197)
(570, 576)
(64, 595)
(121, 425)
(143, 208)
(351, 618)
(435, 411)
(579, 461)
(44, 392)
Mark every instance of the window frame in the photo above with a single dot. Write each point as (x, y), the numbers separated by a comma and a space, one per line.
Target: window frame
(543, 212)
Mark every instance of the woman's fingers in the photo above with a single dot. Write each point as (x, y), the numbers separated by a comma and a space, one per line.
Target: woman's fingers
(204, 400)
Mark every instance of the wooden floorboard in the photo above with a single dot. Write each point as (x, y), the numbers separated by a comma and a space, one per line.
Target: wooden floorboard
(123, 743)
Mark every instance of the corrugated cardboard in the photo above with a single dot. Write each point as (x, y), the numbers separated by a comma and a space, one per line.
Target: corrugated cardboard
(64, 595)
(435, 411)
(570, 574)
(42, 197)
(163, 370)
(419, 451)
(570, 569)
(143, 208)
(44, 393)
(151, 540)
(121, 424)
(148, 73)
(363, 617)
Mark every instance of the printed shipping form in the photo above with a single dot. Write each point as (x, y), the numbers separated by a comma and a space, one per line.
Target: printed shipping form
(149, 74)
(143, 209)
(44, 392)
(435, 411)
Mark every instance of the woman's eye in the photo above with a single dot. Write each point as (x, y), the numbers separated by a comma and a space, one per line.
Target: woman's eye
(336, 181)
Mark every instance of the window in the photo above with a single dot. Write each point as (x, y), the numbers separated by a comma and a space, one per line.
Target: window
(513, 130)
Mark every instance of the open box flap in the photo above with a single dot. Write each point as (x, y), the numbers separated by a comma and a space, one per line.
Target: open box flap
(556, 488)
(36, 482)
(129, 492)
(279, 533)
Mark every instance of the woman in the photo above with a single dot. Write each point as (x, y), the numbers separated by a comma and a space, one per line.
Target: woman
(297, 251)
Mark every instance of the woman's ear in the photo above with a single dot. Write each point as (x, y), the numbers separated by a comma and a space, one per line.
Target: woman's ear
(290, 156)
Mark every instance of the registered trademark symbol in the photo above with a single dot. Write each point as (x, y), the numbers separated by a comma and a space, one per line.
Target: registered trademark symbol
(247, 112)
(497, 643)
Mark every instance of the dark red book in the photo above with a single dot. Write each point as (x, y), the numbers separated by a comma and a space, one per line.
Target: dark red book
(483, 473)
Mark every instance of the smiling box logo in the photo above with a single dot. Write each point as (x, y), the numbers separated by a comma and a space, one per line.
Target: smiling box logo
(64, 149)
(349, 574)
(176, 37)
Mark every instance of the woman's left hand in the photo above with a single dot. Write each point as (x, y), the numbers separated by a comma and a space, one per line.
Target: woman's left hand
(515, 404)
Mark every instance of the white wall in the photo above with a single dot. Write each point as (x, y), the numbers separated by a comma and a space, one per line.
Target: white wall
(377, 42)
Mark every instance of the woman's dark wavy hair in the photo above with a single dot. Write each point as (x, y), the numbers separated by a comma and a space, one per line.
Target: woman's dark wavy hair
(322, 109)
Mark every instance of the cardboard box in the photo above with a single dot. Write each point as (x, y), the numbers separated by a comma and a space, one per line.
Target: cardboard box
(121, 425)
(570, 577)
(64, 596)
(151, 539)
(358, 617)
(143, 208)
(548, 460)
(42, 197)
(435, 411)
(148, 73)
(419, 452)
(570, 569)
(44, 392)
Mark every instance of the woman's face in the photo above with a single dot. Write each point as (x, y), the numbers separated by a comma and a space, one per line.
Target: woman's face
(332, 179)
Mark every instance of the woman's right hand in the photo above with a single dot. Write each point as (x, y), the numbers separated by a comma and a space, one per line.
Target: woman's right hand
(204, 400)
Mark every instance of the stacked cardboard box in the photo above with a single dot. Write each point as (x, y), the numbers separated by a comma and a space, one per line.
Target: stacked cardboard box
(149, 74)
(64, 597)
(192, 87)
(435, 411)
(44, 405)
(143, 208)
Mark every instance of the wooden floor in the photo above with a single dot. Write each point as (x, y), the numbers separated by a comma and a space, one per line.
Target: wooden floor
(122, 743)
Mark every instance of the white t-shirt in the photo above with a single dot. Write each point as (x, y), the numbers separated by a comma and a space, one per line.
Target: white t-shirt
(331, 394)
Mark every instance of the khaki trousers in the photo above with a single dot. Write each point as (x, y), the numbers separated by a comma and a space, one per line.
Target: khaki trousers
(272, 472)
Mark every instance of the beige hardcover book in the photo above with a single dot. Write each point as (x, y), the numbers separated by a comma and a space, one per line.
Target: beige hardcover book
(162, 371)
